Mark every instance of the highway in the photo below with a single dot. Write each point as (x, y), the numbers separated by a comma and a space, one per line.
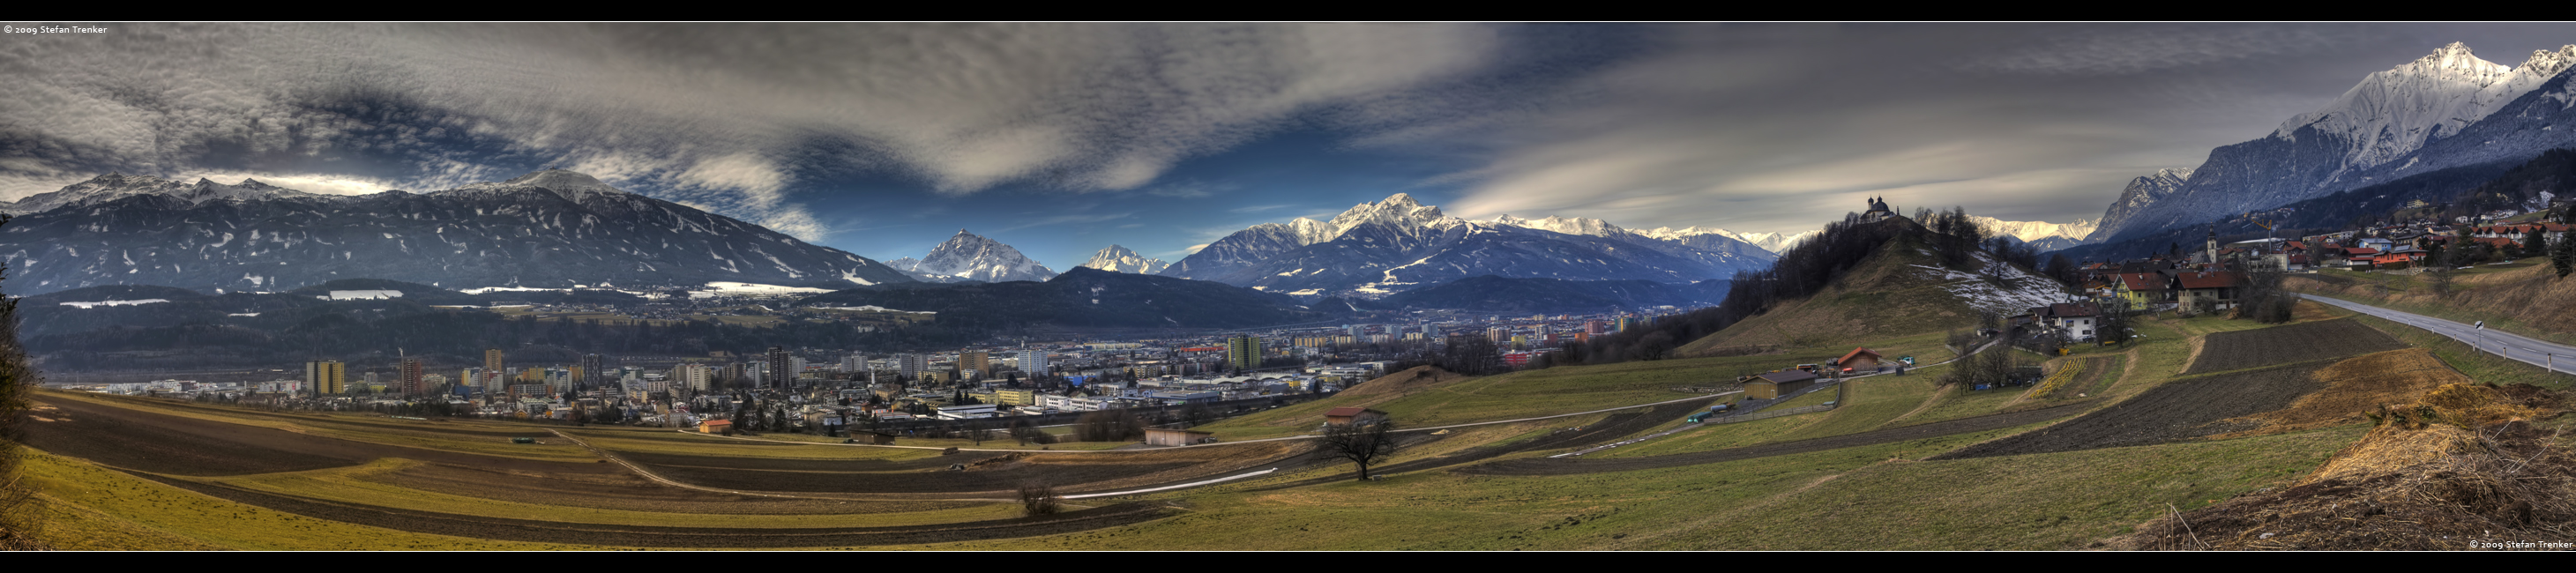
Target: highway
(2554, 356)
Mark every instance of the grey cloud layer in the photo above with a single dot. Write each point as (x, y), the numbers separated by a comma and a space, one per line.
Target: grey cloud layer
(714, 114)
(1757, 128)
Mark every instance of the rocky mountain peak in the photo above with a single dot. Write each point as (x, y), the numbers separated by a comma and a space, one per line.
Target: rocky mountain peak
(1119, 259)
(968, 256)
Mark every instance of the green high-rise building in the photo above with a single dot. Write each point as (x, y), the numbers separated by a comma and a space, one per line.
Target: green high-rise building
(1243, 351)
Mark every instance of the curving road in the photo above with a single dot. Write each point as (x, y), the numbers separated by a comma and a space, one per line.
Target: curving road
(2550, 355)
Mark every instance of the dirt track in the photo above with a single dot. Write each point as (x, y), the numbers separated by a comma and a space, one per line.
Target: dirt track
(626, 491)
(648, 536)
(179, 445)
(2304, 342)
(2179, 410)
(985, 471)
(1614, 427)
(1573, 466)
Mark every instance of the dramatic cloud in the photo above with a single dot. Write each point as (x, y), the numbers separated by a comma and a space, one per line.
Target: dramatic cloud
(717, 114)
(1750, 127)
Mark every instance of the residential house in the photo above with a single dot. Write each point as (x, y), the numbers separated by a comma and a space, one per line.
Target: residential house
(2073, 320)
(2219, 288)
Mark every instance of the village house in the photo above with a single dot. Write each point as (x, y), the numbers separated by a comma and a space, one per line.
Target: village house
(2072, 320)
(2218, 288)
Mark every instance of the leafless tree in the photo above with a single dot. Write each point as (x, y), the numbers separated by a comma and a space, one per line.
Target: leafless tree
(1038, 498)
(1363, 443)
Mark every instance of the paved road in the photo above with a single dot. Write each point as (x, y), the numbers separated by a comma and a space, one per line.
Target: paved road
(2554, 356)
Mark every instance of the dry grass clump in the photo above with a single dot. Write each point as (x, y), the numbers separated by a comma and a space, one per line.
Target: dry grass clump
(2461, 467)
(2354, 390)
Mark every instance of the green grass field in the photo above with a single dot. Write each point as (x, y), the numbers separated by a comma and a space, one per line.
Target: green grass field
(1524, 394)
(352, 484)
(97, 508)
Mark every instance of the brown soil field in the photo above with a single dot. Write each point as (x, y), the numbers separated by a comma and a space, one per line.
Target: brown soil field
(163, 443)
(1573, 466)
(1612, 428)
(811, 465)
(2301, 342)
(650, 536)
(1069, 473)
(626, 491)
(2356, 386)
(2179, 410)
(475, 429)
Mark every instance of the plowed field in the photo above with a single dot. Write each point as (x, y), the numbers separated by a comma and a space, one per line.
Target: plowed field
(1571, 466)
(180, 445)
(2179, 410)
(2301, 342)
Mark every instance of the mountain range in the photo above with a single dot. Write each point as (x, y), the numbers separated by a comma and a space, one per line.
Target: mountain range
(545, 229)
(1374, 249)
(2444, 110)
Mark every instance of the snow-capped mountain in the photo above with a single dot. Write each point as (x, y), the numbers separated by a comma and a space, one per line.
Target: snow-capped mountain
(1772, 242)
(1718, 248)
(2410, 119)
(546, 229)
(971, 257)
(1118, 259)
(2046, 236)
(1397, 243)
(115, 186)
(2140, 193)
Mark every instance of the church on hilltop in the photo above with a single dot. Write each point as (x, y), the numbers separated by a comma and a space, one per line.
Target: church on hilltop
(1877, 211)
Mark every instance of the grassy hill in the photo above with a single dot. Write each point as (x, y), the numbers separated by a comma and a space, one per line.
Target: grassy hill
(1900, 290)
(2523, 297)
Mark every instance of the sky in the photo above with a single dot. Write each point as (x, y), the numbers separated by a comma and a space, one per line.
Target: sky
(1062, 139)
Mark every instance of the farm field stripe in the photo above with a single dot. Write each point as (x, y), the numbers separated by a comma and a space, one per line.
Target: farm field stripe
(657, 536)
(1573, 466)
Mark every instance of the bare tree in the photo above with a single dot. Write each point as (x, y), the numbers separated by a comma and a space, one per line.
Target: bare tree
(1362, 443)
(1038, 498)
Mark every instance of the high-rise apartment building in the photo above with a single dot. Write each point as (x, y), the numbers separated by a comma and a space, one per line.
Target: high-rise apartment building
(1244, 351)
(911, 365)
(779, 372)
(978, 361)
(594, 370)
(412, 383)
(326, 377)
(1033, 363)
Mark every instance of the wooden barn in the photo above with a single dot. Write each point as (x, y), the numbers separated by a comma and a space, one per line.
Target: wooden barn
(1773, 385)
(1860, 360)
(1163, 437)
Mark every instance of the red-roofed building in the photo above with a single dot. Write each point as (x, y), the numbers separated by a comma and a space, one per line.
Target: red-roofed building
(2075, 320)
(1859, 360)
(1353, 414)
(2144, 290)
(2218, 287)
